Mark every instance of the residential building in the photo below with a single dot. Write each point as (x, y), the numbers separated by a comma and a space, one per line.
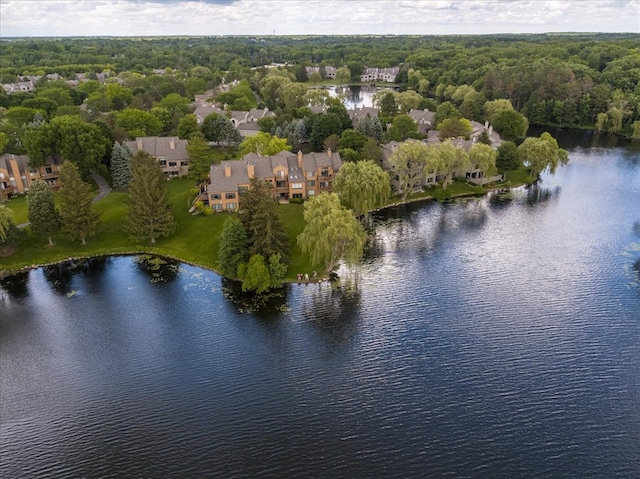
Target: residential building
(16, 176)
(289, 175)
(373, 75)
(358, 114)
(424, 119)
(170, 151)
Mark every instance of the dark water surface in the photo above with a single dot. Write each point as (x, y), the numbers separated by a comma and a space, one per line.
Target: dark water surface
(485, 339)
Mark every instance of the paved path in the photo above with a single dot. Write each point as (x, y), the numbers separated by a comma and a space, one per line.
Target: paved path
(103, 187)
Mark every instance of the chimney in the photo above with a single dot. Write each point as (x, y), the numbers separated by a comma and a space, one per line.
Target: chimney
(490, 130)
(251, 172)
(299, 159)
(139, 143)
(172, 144)
(329, 152)
(227, 170)
(486, 124)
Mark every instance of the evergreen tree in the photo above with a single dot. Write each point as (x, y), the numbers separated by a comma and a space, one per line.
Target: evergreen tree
(150, 212)
(371, 127)
(77, 218)
(10, 235)
(233, 247)
(42, 212)
(120, 166)
(200, 157)
(261, 218)
(508, 157)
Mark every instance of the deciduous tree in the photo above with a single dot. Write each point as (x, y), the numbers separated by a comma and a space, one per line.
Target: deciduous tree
(332, 234)
(542, 154)
(407, 163)
(483, 158)
(362, 186)
(264, 144)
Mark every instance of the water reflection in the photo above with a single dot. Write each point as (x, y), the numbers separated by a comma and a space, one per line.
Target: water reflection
(265, 305)
(17, 286)
(60, 276)
(159, 269)
(333, 309)
(537, 193)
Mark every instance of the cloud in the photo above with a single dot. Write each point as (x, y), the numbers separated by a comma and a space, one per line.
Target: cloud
(287, 17)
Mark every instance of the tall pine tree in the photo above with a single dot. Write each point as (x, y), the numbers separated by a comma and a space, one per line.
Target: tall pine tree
(150, 212)
(42, 211)
(77, 218)
(120, 166)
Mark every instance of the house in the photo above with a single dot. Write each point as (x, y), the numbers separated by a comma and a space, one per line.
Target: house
(289, 175)
(16, 176)
(329, 71)
(358, 114)
(424, 119)
(170, 151)
(419, 178)
(204, 110)
(373, 75)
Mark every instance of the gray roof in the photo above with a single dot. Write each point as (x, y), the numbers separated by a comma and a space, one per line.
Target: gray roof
(358, 114)
(21, 160)
(161, 146)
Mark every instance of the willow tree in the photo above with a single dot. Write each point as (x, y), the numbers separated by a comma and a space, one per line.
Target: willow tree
(407, 163)
(332, 234)
(542, 154)
(447, 158)
(6, 220)
(483, 157)
(362, 186)
(77, 218)
(150, 211)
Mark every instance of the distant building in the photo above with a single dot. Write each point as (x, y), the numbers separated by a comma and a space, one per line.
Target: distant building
(388, 75)
(16, 176)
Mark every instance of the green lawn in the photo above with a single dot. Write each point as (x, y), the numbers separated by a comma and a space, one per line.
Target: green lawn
(195, 240)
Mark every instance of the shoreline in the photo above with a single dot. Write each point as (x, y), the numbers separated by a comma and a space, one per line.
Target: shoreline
(135, 252)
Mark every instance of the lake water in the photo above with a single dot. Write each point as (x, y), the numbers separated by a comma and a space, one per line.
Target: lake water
(479, 339)
(355, 96)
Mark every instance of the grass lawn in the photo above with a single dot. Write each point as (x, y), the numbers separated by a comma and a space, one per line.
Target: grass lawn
(194, 241)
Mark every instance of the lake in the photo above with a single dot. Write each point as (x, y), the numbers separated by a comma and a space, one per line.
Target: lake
(355, 96)
(482, 338)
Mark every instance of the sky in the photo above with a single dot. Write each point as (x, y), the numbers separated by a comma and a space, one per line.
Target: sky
(54, 18)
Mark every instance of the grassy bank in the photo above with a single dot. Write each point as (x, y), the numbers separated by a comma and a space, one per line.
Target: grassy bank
(195, 240)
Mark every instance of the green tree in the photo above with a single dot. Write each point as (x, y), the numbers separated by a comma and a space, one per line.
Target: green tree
(402, 127)
(219, 128)
(454, 128)
(322, 127)
(42, 211)
(352, 139)
(255, 274)
(138, 122)
(293, 96)
(201, 155)
(331, 234)
(120, 166)
(343, 75)
(77, 218)
(233, 247)
(493, 107)
(445, 110)
(362, 186)
(388, 107)
(4, 140)
(371, 128)
(508, 157)
(261, 218)
(150, 212)
(264, 144)
(6, 219)
(187, 126)
(371, 151)
(407, 163)
(447, 159)
(542, 154)
(511, 125)
(483, 158)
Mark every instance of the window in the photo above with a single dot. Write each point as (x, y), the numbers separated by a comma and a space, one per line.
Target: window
(325, 172)
(311, 193)
(216, 196)
(172, 164)
(311, 183)
(230, 196)
(242, 190)
(184, 163)
(297, 195)
(296, 186)
(47, 170)
(280, 174)
(217, 207)
(231, 206)
(162, 163)
(324, 184)
(311, 174)
(281, 184)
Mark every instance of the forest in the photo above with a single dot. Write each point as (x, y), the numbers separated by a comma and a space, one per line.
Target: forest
(573, 80)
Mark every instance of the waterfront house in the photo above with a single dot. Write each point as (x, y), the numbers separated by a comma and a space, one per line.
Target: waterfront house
(16, 175)
(289, 175)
